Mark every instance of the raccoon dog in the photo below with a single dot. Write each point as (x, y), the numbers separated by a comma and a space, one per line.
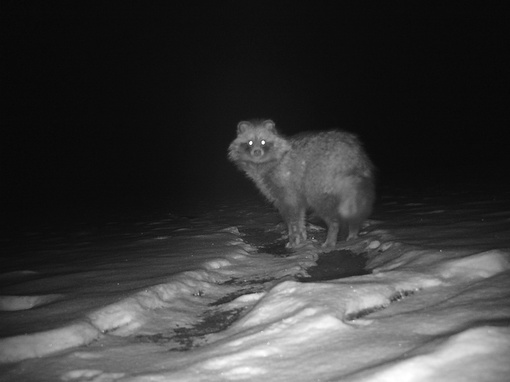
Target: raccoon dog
(326, 172)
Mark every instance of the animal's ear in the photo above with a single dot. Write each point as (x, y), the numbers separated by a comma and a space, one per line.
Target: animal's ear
(269, 125)
(243, 126)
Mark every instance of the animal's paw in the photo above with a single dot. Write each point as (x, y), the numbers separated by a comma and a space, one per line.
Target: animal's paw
(294, 244)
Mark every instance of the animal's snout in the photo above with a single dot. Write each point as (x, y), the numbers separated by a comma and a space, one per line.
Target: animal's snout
(257, 152)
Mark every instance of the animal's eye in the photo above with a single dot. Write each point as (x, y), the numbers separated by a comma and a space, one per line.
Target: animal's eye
(262, 142)
(250, 143)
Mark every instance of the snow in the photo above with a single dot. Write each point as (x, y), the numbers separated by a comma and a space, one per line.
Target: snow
(179, 298)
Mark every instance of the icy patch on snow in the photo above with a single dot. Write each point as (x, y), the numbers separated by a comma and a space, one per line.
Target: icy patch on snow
(39, 344)
(457, 359)
(91, 375)
(12, 303)
(480, 265)
(216, 264)
(374, 244)
(16, 275)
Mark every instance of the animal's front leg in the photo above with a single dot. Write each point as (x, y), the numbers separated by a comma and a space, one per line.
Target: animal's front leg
(295, 218)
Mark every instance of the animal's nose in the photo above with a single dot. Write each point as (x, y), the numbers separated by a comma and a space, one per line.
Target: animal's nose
(256, 152)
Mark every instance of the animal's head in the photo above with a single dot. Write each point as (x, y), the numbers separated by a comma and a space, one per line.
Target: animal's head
(257, 142)
(257, 137)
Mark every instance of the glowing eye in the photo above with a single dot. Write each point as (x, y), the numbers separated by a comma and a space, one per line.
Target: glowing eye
(250, 143)
(262, 142)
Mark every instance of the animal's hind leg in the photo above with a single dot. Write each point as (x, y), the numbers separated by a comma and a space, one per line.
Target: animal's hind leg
(333, 229)
(326, 207)
(349, 210)
(357, 206)
(354, 227)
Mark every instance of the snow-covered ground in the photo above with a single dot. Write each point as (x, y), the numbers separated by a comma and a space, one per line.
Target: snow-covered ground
(195, 298)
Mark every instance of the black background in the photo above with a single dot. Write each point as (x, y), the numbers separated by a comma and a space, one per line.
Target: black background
(127, 104)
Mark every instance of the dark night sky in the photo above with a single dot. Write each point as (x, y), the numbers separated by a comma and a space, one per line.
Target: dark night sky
(129, 103)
